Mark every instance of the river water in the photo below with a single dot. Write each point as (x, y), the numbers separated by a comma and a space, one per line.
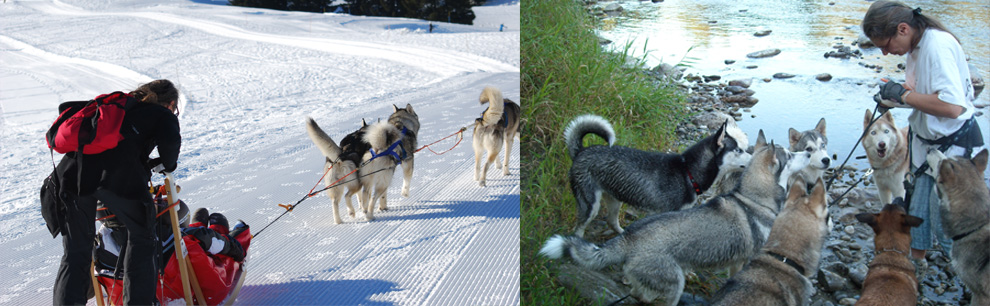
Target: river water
(705, 33)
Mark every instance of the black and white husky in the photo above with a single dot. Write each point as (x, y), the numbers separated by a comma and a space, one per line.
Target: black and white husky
(497, 125)
(815, 142)
(341, 162)
(650, 181)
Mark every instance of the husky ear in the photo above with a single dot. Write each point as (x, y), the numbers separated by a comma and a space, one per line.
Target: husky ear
(720, 135)
(821, 127)
(980, 160)
(797, 190)
(364, 123)
(793, 136)
(912, 221)
(889, 117)
(867, 218)
(819, 189)
(866, 120)
(761, 141)
(395, 108)
(409, 108)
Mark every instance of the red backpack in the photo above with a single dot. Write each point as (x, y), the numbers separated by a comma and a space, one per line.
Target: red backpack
(90, 128)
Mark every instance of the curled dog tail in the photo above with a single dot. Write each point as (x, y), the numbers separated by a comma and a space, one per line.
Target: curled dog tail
(584, 253)
(322, 140)
(381, 135)
(584, 125)
(493, 97)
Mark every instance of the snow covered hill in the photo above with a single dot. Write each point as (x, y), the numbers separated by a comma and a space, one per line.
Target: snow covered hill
(248, 77)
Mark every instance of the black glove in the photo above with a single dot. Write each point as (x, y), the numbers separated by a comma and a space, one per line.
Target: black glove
(892, 91)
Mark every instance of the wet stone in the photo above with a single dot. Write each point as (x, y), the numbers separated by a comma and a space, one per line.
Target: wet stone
(782, 75)
(763, 53)
(824, 77)
(762, 33)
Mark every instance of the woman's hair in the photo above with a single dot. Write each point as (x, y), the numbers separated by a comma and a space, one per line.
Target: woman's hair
(160, 92)
(882, 18)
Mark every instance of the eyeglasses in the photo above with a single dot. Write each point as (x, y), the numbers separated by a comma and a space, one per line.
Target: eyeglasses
(885, 45)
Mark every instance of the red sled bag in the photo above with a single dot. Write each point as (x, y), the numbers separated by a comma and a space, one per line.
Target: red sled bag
(90, 128)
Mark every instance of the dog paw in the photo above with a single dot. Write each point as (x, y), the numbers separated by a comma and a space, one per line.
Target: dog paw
(481, 183)
(506, 172)
(337, 221)
(405, 193)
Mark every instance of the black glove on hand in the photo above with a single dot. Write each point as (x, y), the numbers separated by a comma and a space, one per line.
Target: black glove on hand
(892, 91)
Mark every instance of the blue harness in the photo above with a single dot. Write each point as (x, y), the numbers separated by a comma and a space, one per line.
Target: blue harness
(390, 151)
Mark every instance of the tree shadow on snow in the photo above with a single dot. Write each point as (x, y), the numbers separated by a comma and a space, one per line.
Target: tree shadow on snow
(337, 292)
(504, 206)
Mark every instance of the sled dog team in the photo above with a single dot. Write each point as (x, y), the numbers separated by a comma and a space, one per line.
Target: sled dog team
(769, 222)
(364, 161)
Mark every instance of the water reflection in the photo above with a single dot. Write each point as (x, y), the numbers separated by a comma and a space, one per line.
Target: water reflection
(719, 30)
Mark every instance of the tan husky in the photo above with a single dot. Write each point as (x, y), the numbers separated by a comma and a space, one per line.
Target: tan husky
(495, 129)
(887, 150)
(779, 274)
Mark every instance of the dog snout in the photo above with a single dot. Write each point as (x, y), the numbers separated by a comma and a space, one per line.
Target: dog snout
(882, 145)
(826, 161)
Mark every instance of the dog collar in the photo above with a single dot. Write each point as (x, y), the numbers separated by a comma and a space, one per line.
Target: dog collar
(877, 252)
(963, 235)
(787, 261)
(697, 188)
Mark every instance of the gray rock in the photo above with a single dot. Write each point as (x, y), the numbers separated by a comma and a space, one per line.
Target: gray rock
(782, 75)
(847, 301)
(762, 33)
(764, 53)
(824, 77)
(850, 229)
(589, 283)
(978, 83)
(744, 83)
(668, 71)
(730, 62)
(735, 89)
(864, 42)
(613, 7)
(833, 282)
(751, 66)
(857, 273)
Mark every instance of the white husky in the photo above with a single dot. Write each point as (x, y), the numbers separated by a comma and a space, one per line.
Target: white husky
(379, 165)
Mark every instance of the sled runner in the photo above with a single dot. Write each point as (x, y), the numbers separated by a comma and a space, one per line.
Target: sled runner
(215, 279)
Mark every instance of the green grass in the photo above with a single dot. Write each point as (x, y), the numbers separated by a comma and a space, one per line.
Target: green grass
(566, 74)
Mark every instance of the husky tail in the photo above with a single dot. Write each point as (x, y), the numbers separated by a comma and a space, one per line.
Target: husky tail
(585, 253)
(493, 97)
(322, 140)
(584, 125)
(381, 135)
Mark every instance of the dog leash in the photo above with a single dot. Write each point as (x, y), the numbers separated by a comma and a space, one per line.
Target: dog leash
(882, 110)
(312, 193)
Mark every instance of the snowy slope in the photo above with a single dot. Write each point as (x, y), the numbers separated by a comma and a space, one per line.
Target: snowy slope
(248, 78)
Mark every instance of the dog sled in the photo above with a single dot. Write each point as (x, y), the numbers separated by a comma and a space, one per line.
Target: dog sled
(190, 273)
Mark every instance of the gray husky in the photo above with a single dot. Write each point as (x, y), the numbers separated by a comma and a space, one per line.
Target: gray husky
(407, 122)
(815, 143)
(966, 218)
(650, 181)
(339, 165)
(725, 232)
(779, 274)
(498, 124)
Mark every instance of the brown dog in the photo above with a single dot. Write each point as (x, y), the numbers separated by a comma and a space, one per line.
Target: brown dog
(891, 279)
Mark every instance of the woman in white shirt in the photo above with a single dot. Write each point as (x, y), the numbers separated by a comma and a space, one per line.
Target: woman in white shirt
(939, 90)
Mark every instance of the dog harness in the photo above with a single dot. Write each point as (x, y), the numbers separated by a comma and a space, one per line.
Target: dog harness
(390, 151)
(697, 187)
(505, 120)
(787, 261)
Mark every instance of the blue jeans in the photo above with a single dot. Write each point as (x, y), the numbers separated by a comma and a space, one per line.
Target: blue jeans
(925, 204)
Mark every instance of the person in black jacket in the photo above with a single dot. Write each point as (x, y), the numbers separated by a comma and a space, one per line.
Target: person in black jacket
(119, 178)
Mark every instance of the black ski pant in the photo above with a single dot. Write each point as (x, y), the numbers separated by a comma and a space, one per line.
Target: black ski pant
(140, 270)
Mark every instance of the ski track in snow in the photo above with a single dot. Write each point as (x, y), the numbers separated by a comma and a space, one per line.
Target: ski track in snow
(245, 92)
